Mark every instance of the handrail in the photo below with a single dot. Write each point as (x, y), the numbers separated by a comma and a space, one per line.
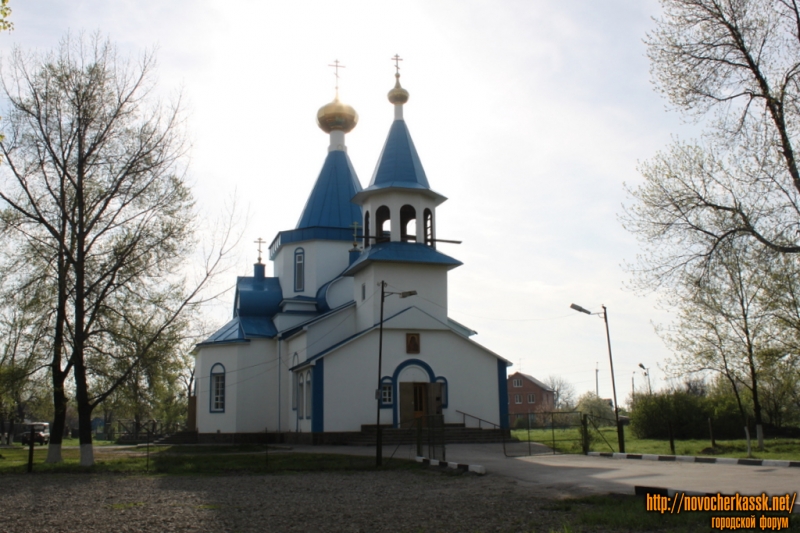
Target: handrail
(465, 415)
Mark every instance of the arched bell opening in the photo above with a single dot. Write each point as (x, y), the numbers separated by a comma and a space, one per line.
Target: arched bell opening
(366, 230)
(408, 224)
(383, 224)
(430, 239)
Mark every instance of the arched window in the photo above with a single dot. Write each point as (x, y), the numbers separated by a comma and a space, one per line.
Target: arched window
(408, 215)
(217, 388)
(300, 396)
(429, 237)
(308, 394)
(443, 381)
(366, 230)
(299, 270)
(383, 224)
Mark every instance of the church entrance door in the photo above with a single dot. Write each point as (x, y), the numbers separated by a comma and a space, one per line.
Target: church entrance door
(418, 401)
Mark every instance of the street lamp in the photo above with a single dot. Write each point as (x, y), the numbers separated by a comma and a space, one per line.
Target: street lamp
(647, 375)
(580, 309)
(379, 433)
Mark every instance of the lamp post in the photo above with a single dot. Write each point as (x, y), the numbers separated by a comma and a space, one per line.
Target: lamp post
(647, 375)
(633, 385)
(580, 309)
(378, 391)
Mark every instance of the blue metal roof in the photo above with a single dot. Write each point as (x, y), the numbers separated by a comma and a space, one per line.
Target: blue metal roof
(329, 203)
(399, 164)
(240, 329)
(257, 297)
(401, 252)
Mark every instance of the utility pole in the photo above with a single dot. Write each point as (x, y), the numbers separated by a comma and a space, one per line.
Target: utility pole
(597, 379)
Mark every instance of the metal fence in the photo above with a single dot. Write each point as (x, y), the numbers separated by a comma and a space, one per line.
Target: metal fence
(553, 432)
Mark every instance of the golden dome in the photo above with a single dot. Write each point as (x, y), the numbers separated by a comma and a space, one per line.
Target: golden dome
(398, 95)
(337, 116)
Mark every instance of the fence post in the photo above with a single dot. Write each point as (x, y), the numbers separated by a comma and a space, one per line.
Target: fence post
(585, 433)
(621, 431)
(30, 452)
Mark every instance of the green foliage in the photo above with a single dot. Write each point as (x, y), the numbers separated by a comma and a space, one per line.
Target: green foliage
(599, 408)
(688, 413)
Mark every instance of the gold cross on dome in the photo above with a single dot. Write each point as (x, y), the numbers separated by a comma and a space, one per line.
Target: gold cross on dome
(397, 59)
(336, 66)
(259, 242)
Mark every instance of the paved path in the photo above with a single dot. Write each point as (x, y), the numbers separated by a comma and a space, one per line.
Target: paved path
(576, 475)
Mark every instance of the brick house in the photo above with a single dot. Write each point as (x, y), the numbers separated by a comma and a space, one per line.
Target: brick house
(526, 394)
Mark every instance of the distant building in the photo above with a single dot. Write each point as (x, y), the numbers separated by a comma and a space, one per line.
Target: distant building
(526, 394)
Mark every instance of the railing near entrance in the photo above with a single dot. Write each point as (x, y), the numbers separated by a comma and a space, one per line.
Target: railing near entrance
(425, 435)
(480, 420)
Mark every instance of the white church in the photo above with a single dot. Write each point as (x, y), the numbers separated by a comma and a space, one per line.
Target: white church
(303, 350)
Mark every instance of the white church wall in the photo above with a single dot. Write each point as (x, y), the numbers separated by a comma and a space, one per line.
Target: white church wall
(351, 377)
(323, 261)
(430, 282)
(340, 292)
(256, 386)
(325, 333)
(207, 357)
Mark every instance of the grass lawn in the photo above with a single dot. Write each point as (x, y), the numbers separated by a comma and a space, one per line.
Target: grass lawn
(182, 460)
(568, 441)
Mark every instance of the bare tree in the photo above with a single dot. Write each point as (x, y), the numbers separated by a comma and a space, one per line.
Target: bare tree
(734, 63)
(563, 392)
(95, 175)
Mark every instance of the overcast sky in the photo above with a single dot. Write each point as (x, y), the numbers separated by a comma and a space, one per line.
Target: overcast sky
(528, 115)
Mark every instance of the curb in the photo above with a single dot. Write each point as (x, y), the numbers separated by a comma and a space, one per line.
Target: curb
(478, 469)
(693, 459)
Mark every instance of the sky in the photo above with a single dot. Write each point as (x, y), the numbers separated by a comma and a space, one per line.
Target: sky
(530, 116)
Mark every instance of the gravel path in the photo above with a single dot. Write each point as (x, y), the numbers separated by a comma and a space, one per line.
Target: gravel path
(395, 501)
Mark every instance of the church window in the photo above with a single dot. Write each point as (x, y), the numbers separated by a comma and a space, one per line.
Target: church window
(300, 396)
(386, 394)
(383, 224)
(408, 216)
(308, 394)
(517, 382)
(218, 388)
(299, 270)
(518, 398)
(428, 220)
(366, 230)
(443, 381)
(531, 397)
(294, 381)
(363, 291)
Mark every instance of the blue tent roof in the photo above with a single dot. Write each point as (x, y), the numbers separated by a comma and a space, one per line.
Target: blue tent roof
(399, 164)
(329, 203)
(401, 252)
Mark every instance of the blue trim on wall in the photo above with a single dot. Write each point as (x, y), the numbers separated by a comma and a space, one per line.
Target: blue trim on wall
(502, 391)
(211, 389)
(317, 398)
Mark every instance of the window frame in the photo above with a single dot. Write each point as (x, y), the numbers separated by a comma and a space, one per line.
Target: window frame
(215, 403)
(531, 397)
(517, 382)
(299, 267)
(518, 399)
